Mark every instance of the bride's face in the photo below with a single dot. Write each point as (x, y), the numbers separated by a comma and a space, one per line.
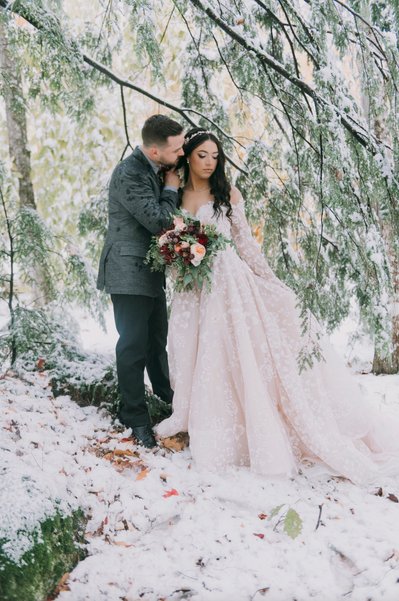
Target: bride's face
(204, 159)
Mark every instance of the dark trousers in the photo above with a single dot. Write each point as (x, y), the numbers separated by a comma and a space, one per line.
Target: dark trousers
(142, 326)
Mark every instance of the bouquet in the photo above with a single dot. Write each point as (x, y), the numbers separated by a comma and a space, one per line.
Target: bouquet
(187, 248)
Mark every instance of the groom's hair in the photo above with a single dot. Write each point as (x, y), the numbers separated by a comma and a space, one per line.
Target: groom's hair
(157, 129)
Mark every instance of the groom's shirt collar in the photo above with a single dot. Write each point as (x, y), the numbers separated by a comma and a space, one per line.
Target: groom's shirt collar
(154, 166)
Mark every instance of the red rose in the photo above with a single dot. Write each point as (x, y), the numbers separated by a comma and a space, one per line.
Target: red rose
(203, 239)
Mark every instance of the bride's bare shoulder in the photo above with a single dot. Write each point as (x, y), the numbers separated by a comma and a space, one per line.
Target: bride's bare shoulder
(235, 195)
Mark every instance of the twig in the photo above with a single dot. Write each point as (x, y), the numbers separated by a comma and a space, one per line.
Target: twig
(319, 518)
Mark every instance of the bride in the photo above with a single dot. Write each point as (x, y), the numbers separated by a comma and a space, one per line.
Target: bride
(233, 358)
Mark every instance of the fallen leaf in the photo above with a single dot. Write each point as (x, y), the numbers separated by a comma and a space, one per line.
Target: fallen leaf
(143, 474)
(103, 440)
(61, 587)
(127, 439)
(170, 493)
(262, 516)
(393, 498)
(292, 523)
(40, 363)
(378, 492)
(123, 453)
(122, 543)
(177, 442)
(259, 535)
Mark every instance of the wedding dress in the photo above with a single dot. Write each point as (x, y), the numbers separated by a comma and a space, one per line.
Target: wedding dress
(237, 388)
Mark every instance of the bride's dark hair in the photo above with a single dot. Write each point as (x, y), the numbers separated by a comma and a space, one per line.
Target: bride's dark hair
(220, 186)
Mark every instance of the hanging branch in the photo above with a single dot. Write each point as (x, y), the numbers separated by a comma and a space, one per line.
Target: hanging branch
(356, 129)
(128, 144)
(18, 8)
(278, 21)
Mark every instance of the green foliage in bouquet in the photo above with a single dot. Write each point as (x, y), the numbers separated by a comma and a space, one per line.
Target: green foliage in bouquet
(187, 248)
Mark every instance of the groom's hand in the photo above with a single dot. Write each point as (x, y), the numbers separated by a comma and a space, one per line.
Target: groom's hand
(172, 179)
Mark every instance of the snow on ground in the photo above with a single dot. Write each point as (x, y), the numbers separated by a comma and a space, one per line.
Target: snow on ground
(160, 529)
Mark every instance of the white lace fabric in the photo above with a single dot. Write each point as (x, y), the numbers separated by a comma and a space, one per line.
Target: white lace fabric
(237, 388)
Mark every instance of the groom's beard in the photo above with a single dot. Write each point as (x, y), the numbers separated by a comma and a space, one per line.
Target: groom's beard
(167, 166)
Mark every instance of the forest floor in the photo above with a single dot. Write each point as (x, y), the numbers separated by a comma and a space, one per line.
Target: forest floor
(161, 529)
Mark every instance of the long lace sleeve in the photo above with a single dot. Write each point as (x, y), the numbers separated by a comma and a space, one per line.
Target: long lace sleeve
(247, 247)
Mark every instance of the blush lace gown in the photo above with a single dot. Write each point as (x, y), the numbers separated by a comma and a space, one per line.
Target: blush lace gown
(237, 389)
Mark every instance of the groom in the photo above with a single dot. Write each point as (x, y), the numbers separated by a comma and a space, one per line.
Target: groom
(140, 204)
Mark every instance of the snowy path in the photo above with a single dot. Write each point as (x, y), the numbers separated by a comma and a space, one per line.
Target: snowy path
(161, 530)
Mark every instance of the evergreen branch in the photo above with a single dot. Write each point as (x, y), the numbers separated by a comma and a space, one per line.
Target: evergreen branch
(283, 26)
(18, 7)
(375, 30)
(227, 67)
(292, 49)
(304, 25)
(197, 47)
(107, 12)
(167, 25)
(356, 129)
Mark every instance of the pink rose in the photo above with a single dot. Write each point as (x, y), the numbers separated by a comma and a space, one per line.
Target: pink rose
(164, 239)
(198, 251)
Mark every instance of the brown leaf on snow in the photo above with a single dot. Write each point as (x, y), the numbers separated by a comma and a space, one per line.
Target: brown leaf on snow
(393, 498)
(103, 440)
(178, 442)
(109, 456)
(121, 543)
(40, 363)
(262, 516)
(143, 474)
(124, 453)
(61, 587)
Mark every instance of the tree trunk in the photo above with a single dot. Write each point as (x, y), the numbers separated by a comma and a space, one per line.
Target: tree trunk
(18, 144)
(389, 364)
(16, 122)
(384, 364)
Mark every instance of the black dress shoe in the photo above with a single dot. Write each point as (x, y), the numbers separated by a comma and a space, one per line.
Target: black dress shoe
(144, 436)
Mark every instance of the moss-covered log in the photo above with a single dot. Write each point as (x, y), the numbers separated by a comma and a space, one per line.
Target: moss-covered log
(57, 546)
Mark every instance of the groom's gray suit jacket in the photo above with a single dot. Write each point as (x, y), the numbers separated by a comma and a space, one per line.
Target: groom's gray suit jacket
(137, 210)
